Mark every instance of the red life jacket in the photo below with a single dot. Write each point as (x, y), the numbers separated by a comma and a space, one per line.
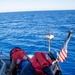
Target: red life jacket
(40, 60)
(18, 55)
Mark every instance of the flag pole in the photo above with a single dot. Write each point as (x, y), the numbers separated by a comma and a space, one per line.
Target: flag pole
(68, 37)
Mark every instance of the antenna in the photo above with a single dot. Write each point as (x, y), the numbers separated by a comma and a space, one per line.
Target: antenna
(49, 37)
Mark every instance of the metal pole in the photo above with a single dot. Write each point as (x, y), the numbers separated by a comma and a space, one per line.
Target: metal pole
(49, 37)
(49, 43)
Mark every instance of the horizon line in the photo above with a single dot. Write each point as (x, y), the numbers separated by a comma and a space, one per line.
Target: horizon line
(36, 10)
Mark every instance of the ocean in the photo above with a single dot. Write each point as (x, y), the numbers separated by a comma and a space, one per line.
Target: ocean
(27, 30)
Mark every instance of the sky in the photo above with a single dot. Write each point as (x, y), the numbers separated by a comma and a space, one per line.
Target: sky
(36, 5)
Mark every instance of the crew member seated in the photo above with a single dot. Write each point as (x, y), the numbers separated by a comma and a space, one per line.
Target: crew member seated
(19, 59)
(40, 64)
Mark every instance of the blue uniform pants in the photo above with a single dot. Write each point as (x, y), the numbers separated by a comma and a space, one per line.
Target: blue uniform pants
(28, 70)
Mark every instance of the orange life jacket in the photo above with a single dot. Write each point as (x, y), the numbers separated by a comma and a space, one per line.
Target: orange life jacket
(18, 55)
(40, 60)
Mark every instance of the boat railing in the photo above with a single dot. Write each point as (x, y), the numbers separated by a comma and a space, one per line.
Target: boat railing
(2, 67)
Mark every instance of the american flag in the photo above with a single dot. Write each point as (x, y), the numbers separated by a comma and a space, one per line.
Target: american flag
(63, 52)
(62, 55)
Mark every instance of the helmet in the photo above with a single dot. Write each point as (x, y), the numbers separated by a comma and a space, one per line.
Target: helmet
(53, 54)
(23, 64)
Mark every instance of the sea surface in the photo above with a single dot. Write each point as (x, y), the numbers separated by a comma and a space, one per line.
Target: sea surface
(27, 30)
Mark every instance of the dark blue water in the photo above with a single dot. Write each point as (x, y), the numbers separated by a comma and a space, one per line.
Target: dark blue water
(27, 30)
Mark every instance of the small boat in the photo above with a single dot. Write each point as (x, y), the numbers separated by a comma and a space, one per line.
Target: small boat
(5, 59)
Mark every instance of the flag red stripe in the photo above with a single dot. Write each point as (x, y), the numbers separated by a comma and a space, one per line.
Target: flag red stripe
(60, 59)
(62, 55)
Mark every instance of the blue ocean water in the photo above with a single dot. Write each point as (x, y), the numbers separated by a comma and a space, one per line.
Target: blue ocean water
(27, 30)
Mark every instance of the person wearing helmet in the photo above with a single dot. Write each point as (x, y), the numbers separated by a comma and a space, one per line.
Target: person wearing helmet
(40, 65)
(18, 59)
(54, 55)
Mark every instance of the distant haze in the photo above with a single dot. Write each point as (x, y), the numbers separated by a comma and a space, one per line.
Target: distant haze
(35, 5)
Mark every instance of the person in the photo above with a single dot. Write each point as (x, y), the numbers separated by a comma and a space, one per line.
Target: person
(40, 65)
(19, 59)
